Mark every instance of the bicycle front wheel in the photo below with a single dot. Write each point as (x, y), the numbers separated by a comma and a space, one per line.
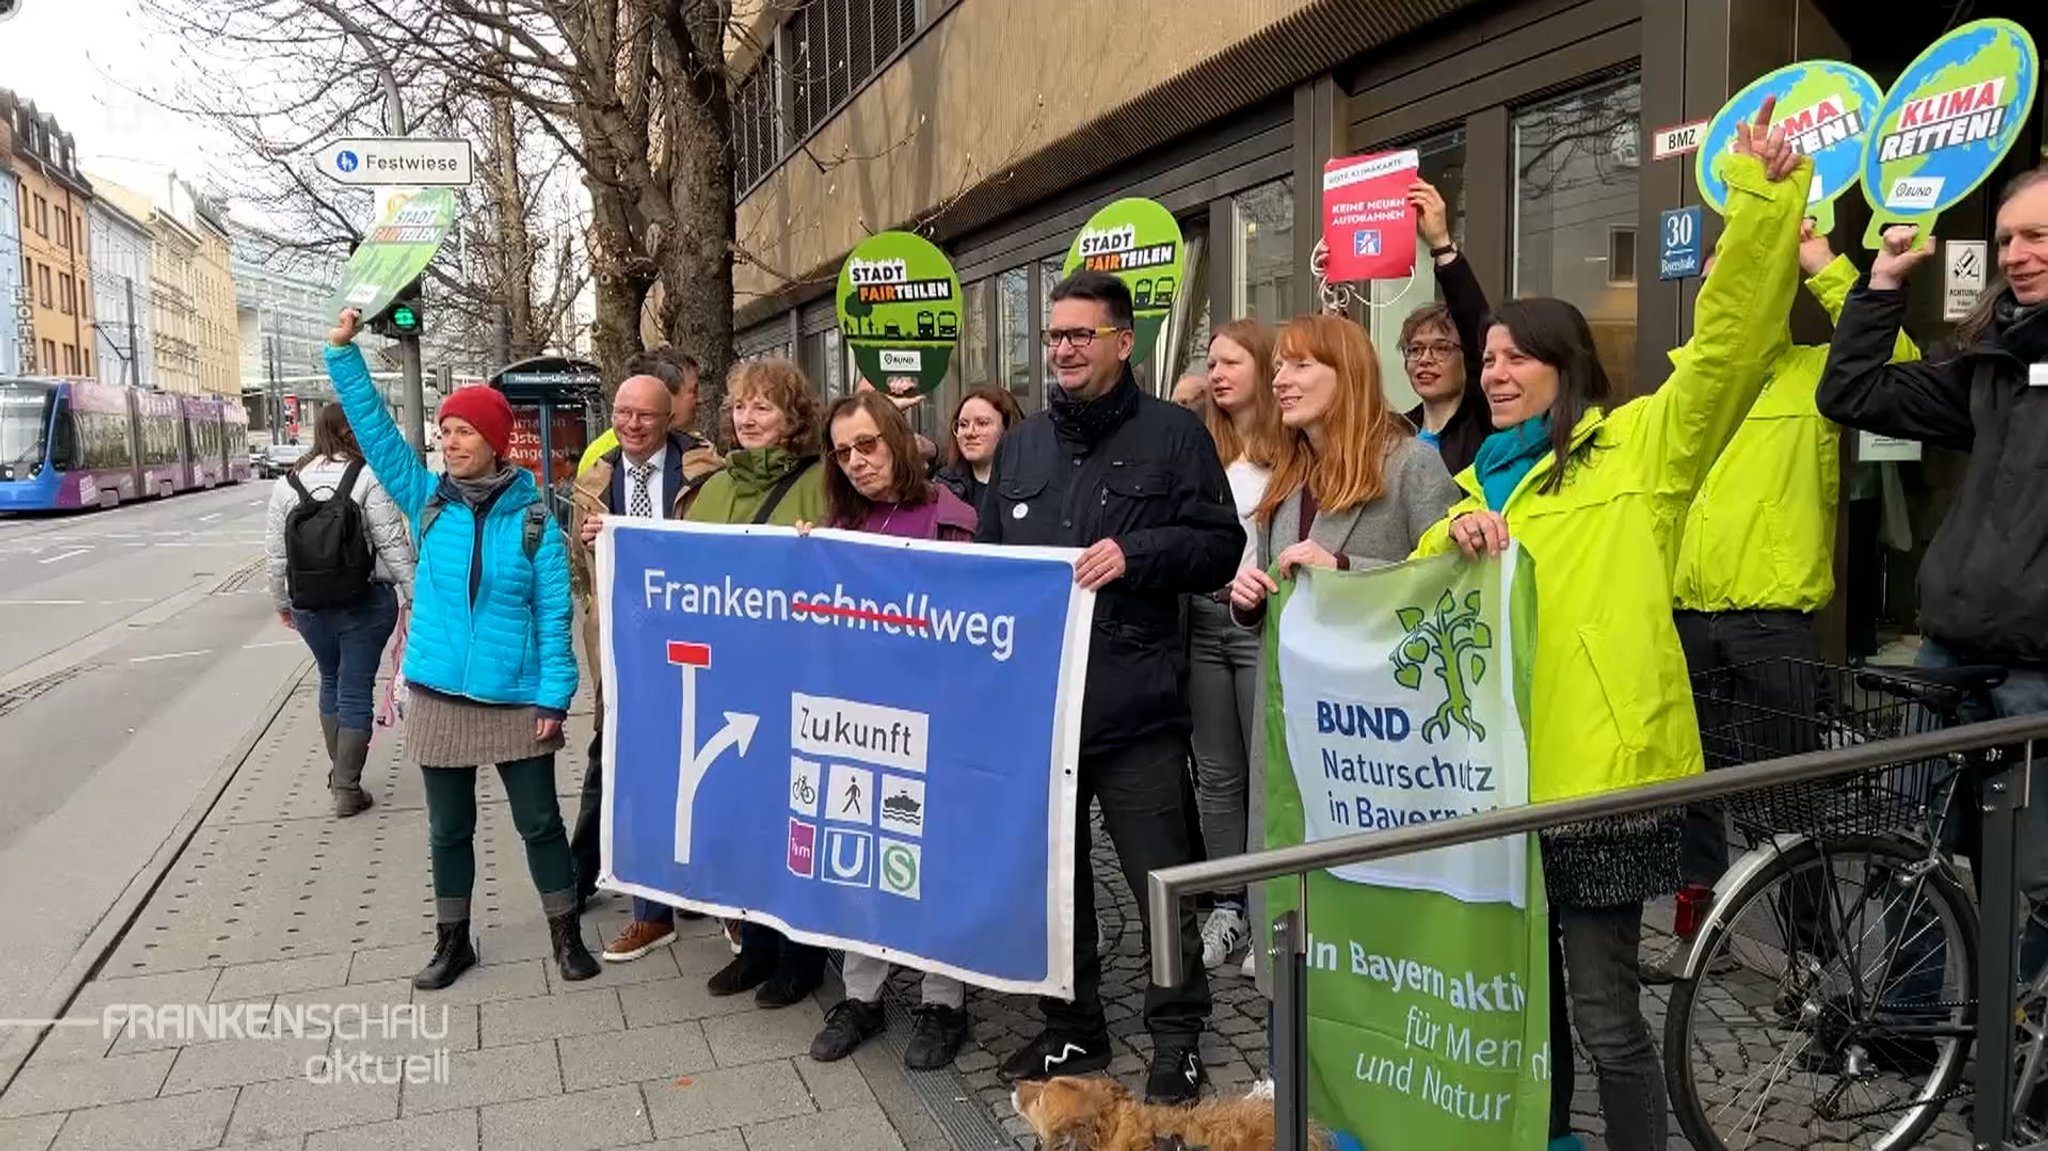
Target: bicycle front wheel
(1834, 1007)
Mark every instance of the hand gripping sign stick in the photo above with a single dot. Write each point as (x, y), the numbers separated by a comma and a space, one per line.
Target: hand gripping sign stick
(694, 761)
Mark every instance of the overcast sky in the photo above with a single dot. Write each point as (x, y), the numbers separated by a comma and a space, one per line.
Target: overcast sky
(85, 60)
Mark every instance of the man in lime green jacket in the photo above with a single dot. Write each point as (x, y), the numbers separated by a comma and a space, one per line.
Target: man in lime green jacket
(1757, 561)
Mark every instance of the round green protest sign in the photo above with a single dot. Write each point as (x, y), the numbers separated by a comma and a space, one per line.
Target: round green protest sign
(1139, 242)
(1947, 122)
(396, 251)
(1823, 106)
(899, 309)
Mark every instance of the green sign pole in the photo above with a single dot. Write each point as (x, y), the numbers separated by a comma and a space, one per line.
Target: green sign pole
(899, 309)
(1138, 241)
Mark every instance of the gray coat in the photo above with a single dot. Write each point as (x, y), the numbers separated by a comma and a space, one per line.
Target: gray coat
(1383, 532)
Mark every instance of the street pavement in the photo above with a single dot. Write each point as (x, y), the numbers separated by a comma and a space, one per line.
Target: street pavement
(147, 698)
(136, 652)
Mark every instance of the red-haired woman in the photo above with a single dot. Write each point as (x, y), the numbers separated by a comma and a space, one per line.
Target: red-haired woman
(1351, 487)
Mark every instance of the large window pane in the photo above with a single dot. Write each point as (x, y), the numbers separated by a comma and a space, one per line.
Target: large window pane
(1263, 258)
(1050, 274)
(1443, 164)
(1184, 341)
(1013, 335)
(1577, 160)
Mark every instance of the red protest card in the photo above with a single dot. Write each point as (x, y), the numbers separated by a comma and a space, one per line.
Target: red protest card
(1368, 227)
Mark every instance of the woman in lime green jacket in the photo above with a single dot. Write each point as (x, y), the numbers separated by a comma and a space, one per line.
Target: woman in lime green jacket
(1596, 499)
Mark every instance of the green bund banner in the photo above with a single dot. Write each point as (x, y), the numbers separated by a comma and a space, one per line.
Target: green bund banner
(1395, 696)
(396, 251)
(1138, 241)
(899, 308)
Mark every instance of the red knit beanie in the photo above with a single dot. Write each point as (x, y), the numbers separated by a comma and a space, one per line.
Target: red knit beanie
(483, 408)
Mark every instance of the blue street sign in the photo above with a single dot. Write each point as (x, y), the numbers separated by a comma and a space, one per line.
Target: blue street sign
(346, 161)
(1678, 243)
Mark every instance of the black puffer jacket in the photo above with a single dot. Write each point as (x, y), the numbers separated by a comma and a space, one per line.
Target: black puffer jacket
(1984, 581)
(1147, 476)
(1469, 426)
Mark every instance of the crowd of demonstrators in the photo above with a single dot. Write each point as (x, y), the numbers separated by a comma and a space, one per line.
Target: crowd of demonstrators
(1223, 659)
(773, 475)
(1596, 497)
(339, 576)
(1134, 482)
(652, 465)
(875, 482)
(490, 659)
(1442, 344)
(1983, 587)
(979, 422)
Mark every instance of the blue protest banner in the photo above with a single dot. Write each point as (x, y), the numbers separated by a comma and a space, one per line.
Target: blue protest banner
(852, 738)
(1678, 243)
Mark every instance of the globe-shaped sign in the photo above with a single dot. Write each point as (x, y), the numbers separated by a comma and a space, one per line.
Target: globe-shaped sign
(1825, 108)
(1951, 117)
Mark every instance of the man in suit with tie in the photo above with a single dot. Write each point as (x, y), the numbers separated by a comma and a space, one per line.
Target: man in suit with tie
(648, 475)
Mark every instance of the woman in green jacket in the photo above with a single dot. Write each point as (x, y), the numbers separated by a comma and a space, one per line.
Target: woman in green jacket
(1596, 498)
(774, 476)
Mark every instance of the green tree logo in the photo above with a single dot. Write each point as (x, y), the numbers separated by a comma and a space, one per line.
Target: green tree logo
(1450, 641)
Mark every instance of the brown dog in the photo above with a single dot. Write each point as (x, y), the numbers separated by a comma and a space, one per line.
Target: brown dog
(1075, 1114)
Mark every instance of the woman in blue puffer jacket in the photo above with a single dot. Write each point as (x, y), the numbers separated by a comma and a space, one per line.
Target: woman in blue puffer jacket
(488, 657)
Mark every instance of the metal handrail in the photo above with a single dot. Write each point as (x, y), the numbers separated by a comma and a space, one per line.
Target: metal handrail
(1166, 887)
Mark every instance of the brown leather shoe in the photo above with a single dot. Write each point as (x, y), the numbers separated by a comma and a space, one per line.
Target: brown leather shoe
(637, 939)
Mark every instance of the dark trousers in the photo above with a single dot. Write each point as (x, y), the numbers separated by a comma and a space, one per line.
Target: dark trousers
(590, 812)
(583, 846)
(1143, 789)
(758, 941)
(451, 834)
(1755, 706)
(348, 643)
(1595, 983)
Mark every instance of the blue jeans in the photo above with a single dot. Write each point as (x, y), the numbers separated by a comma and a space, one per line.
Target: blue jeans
(647, 911)
(348, 644)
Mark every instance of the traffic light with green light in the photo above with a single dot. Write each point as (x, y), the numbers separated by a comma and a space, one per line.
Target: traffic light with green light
(403, 318)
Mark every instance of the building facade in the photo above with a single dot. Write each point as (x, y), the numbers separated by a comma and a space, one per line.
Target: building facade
(52, 207)
(1531, 116)
(16, 314)
(124, 335)
(213, 285)
(281, 295)
(170, 210)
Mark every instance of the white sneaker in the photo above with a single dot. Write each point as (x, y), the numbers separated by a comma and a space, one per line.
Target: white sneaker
(1222, 936)
(1251, 965)
(1263, 1089)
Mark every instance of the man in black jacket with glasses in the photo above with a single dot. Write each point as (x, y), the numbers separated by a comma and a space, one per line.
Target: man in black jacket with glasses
(1135, 482)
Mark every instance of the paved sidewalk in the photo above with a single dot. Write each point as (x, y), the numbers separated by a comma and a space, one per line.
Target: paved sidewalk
(275, 903)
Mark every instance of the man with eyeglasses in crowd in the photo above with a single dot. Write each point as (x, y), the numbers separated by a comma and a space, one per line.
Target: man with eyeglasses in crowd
(1135, 482)
(655, 461)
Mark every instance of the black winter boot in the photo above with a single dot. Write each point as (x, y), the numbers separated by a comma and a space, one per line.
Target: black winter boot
(453, 955)
(570, 954)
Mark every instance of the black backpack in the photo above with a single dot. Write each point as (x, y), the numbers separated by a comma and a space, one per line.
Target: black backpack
(328, 559)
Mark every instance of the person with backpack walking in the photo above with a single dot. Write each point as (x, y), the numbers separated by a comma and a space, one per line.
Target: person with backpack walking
(340, 568)
(489, 659)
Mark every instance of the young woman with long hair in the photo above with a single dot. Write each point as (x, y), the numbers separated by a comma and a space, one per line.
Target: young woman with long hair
(1223, 659)
(1596, 498)
(1351, 486)
(347, 642)
(979, 421)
